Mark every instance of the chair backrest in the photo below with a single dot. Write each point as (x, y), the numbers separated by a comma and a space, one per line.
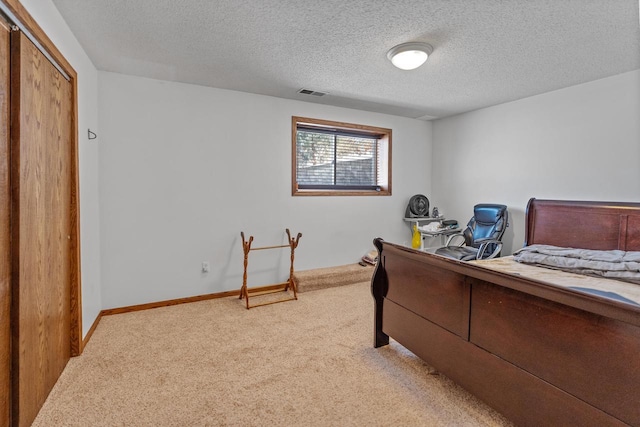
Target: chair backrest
(489, 222)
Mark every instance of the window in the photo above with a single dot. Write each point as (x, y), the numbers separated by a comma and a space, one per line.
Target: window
(339, 159)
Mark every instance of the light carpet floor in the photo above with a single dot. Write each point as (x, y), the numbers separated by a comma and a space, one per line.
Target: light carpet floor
(322, 278)
(213, 363)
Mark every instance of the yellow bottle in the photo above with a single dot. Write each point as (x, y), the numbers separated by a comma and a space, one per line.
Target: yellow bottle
(417, 239)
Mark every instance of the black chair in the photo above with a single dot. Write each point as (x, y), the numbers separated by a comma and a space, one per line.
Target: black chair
(482, 237)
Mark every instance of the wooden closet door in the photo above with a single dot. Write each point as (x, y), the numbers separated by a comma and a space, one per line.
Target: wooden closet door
(5, 248)
(41, 117)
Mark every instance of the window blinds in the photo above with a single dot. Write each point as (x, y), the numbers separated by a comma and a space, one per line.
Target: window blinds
(336, 159)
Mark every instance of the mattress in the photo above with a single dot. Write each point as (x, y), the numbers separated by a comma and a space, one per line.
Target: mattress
(625, 292)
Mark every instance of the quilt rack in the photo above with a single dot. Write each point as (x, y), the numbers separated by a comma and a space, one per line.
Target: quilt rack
(245, 292)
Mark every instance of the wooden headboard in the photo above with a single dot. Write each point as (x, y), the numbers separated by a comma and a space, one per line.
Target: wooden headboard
(586, 225)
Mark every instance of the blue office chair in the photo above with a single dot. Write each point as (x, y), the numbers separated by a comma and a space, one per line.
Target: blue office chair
(482, 237)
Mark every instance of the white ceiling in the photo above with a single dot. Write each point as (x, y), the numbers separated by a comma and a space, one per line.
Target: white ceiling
(486, 52)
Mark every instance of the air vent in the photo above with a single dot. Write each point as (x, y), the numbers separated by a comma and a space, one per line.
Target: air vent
(311, 92)
(427, 117)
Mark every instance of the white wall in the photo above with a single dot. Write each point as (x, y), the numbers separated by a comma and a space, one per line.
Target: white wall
(185, 168)
(580, 143)
(47, 16)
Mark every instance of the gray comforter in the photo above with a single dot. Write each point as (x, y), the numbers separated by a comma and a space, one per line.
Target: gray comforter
(615, 264)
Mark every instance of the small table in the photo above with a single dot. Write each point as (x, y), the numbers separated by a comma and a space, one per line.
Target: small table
(443, 234)
(426, 219)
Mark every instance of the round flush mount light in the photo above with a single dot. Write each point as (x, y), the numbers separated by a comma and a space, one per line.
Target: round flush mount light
(409, 56)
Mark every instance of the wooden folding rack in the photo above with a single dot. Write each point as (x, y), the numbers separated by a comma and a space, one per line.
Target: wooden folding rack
(276, 287)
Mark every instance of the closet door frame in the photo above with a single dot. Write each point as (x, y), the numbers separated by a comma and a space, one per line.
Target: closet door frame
(75, 297)
(5, 230)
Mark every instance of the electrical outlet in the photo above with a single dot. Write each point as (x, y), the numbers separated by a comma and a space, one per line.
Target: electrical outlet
(205, 267)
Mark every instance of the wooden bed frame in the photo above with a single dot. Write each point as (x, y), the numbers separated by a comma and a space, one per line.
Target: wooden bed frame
(538, 353)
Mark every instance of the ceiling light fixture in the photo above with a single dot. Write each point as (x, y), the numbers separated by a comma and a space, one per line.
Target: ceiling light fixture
(409, 56)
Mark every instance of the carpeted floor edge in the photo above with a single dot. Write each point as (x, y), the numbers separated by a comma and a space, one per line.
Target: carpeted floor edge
(329, 277)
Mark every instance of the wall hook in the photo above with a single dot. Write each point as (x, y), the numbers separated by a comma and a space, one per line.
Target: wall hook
(91, 134)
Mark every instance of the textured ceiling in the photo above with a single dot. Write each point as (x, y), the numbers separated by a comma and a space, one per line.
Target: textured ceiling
(486, 52)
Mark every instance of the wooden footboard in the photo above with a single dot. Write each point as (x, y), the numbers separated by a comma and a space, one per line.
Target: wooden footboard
(539, 354)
